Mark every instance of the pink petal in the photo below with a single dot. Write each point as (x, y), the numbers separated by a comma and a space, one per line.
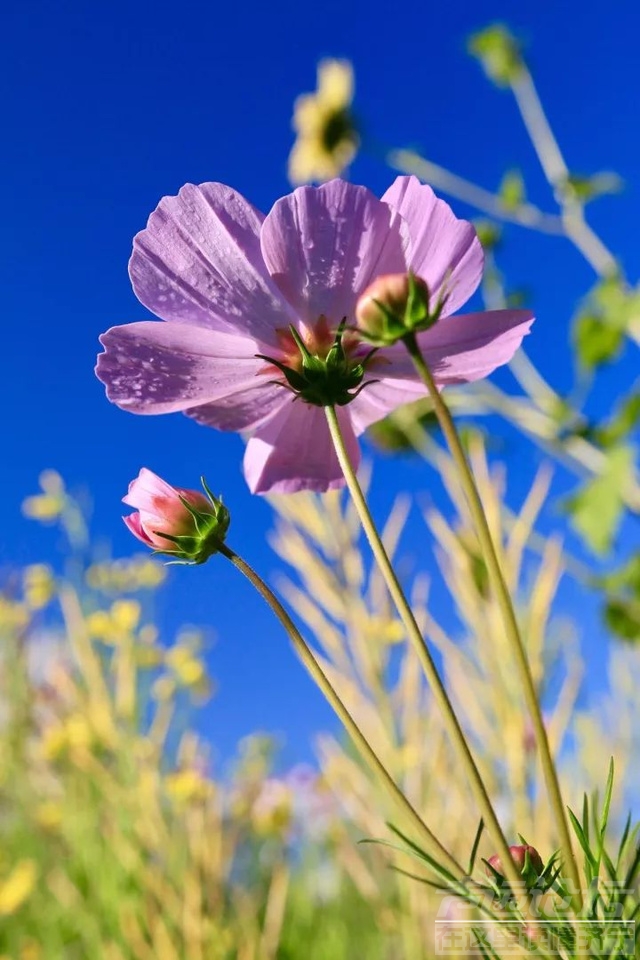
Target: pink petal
(293, 452)
(458, 350)
(378, 400)
(244, 410)
(324, 245)
(152, 367)
(134, 525)
(472, 345)
(199, 262)
(146, 488)
(443, 250)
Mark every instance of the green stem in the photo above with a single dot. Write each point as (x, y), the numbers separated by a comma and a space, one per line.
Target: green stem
(315, 670)
(415, 636)
(503, 597)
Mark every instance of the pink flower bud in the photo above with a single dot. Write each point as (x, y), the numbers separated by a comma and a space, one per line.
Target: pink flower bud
(519, 855)
(183, 523)
(393, 306)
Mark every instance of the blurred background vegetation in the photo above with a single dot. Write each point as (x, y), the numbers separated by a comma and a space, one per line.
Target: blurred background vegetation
(121, 834)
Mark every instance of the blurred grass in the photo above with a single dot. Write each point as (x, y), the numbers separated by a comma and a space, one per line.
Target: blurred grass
(119, 839)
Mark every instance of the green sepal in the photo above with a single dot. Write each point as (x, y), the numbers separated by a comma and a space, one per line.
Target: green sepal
(416, 317)
(210, 530)
(323, 381)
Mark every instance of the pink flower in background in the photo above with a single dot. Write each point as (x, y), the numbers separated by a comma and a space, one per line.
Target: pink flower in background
(230, 283)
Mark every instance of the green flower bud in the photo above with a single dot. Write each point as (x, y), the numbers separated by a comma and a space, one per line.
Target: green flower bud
(393, 306)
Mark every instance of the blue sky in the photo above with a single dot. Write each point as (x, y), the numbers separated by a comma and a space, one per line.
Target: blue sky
(109, 106)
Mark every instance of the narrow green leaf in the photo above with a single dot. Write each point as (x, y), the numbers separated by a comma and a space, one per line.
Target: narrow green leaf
(606, 805)
(474, 848)
(582, 840)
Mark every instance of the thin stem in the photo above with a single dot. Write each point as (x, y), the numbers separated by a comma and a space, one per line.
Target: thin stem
(320, 678)
(525, 214)
(415, 636)
(512, 631)
(555, 170)
(539, 130)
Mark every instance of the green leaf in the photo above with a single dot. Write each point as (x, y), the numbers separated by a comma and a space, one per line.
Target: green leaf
(474, 848)
(599, 184)
(582, 840)
(511, 190)
(626, 577)
(595, 341)
(624, 420)
(610, 310)
(489, 234)
(597, 508)
(606, 805)
(622, 617)
(498, 52)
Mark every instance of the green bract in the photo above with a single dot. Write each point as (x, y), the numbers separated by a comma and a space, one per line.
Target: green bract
(386, 316)
(324, 381)
(208, 533)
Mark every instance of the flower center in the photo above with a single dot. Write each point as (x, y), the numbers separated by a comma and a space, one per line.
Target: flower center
(320, 365)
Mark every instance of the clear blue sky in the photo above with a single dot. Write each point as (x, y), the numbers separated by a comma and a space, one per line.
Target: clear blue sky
(109, 106)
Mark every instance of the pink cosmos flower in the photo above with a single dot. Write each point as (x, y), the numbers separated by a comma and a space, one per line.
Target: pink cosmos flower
(230, 283)
(183, 523)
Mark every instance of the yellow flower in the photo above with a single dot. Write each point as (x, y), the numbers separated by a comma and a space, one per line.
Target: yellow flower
(17, 887)
(38, 585)
(117, 624)
(49, 504)
(187, 669)
(163, 688)
(385, 630)
(74, 735)
(125, 615)
(184, 786)
(272, 811)
(48, 815)
(327, 138)
(14, 616)
(126, 576)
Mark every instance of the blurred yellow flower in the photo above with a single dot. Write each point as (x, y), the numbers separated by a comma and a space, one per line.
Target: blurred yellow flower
(273, 808)
(48, 814)
(13, 615)
(115, 625)
(49, 504)
(163, 688)
(125, 615)
(185, 786)
(30, 951)
(385, 630)
(327, 139)
(38, 585)
(126, 576)
(188, 669)
(73, 734)
(17, 887)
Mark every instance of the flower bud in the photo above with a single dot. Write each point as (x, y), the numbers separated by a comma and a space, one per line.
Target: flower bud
(184, 524)
(393, 306)
(526, 859)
